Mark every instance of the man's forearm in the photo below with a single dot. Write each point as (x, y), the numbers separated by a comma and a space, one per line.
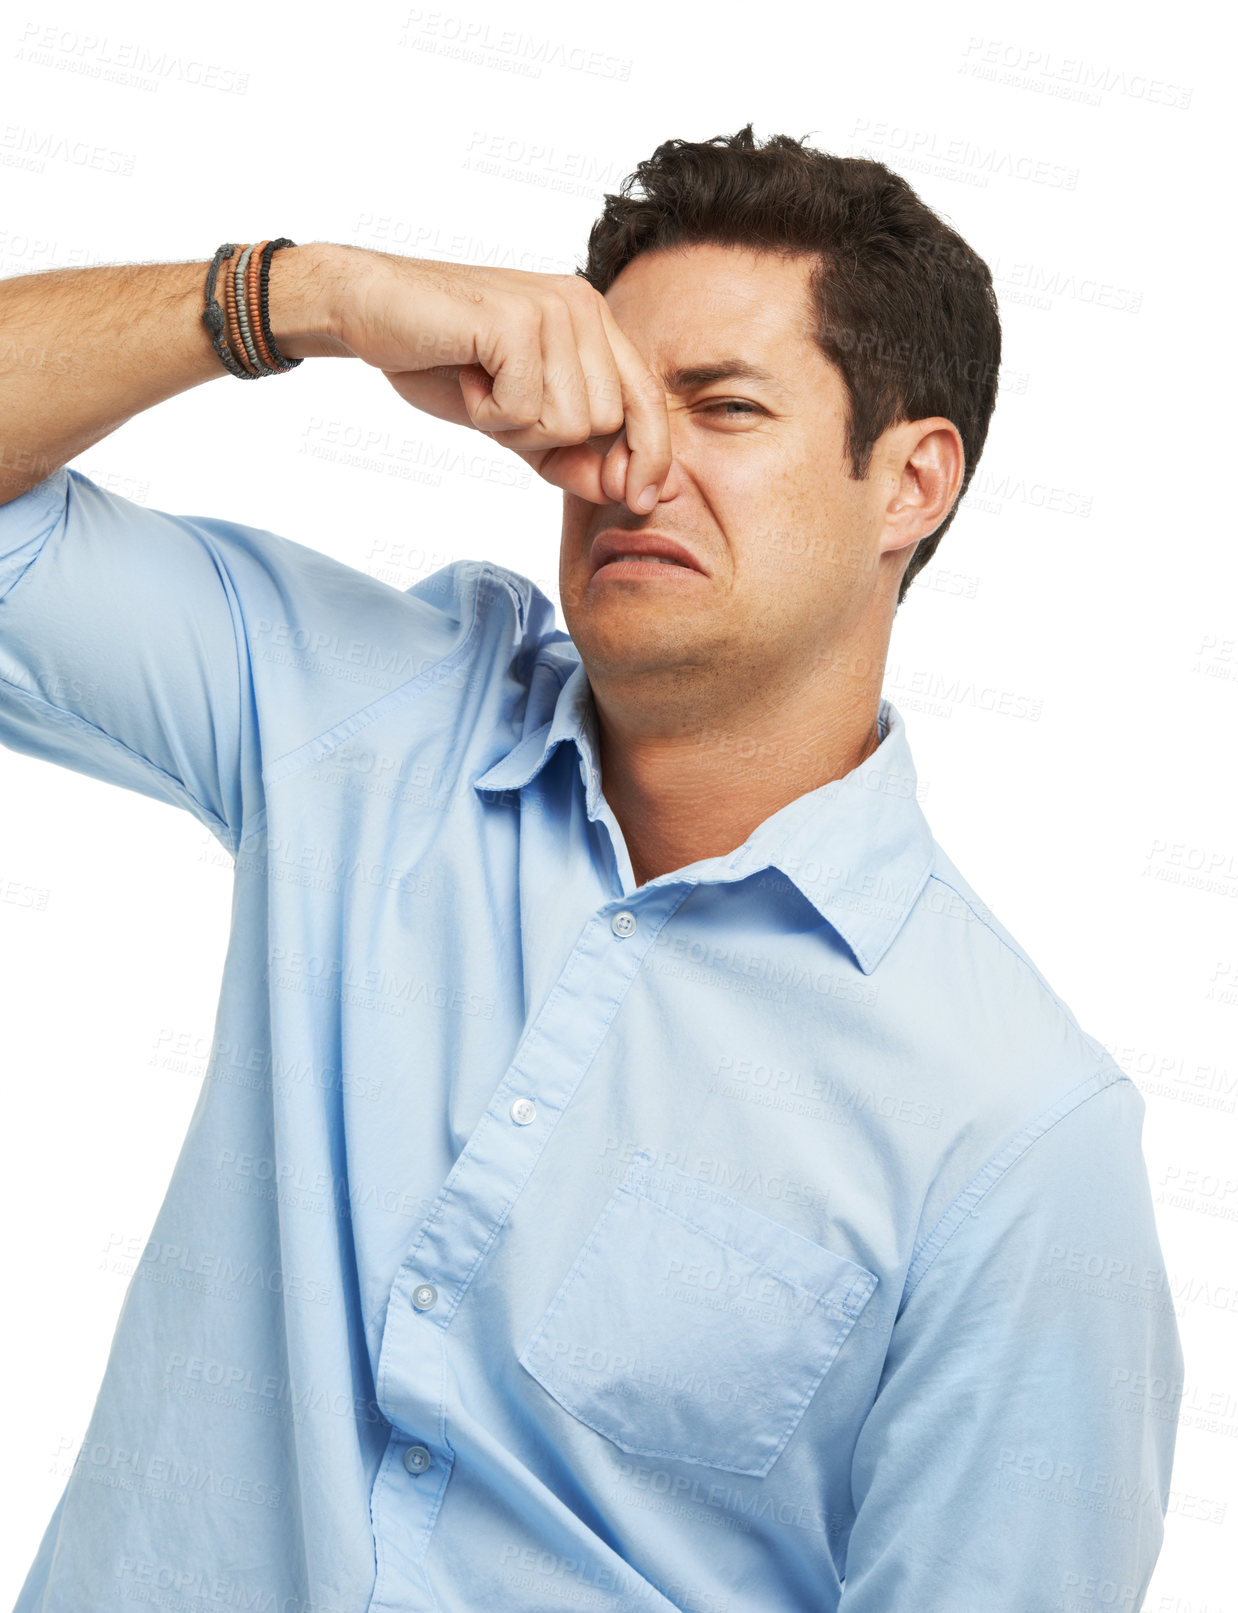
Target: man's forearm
(84, 350)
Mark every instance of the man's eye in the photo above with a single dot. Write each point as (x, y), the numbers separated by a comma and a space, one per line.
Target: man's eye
(733, 403)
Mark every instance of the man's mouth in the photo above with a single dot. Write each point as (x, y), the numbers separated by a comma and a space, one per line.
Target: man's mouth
(644, 560)
(648, 548)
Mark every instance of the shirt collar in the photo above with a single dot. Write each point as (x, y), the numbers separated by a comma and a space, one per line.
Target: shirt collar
(859, 848)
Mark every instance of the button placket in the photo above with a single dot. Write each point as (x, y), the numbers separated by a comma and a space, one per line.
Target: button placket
(491, 1170)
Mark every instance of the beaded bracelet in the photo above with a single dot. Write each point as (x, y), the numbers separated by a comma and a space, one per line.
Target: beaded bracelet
(242, 318)
(264, 296)
(240, 329)
(231, 321)
(266, 362)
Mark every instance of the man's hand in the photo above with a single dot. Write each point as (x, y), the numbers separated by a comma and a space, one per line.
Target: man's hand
(534, 360)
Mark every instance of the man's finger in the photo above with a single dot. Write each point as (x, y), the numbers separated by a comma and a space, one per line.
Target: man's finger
(645, 417)
(576, 468)
(615, 467)
(565, 400)
(512, 356)
(601, 372)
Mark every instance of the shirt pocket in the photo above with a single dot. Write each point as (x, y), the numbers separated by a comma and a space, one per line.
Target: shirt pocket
(692, 1327)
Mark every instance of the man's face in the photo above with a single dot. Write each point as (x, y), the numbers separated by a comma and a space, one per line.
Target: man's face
(759, 489)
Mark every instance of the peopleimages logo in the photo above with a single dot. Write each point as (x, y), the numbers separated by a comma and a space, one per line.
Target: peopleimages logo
(33, 149)
(970, 162)
(483, 45)
(126, 62)
(1073, 78)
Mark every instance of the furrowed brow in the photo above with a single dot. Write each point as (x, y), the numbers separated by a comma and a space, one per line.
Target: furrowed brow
(688, 377)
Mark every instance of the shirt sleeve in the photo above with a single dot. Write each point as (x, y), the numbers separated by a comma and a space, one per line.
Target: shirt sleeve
(183, 656)
(1018, 1453)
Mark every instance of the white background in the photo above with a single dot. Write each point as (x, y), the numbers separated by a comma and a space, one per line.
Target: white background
(1089, 577)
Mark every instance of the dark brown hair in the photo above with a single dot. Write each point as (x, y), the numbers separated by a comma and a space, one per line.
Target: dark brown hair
(905, 309)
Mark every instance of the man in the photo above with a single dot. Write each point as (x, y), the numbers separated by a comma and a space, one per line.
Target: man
(635, 1169)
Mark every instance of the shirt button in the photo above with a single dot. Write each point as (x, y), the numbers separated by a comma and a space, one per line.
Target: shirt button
(523, 1110)
(424, 1296)
(623, 923)
(416, 1458)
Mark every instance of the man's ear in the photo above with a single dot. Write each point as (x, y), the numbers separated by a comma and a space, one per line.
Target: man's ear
(928, 480)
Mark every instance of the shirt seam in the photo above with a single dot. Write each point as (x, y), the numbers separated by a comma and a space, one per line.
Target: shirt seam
(985, 918)
(329, 739)
(73, 720)
(1065, 1015)
(860, 1278)
(995, 1170)
(53, 496)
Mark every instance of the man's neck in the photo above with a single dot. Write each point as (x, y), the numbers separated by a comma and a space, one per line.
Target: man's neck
(702, 793)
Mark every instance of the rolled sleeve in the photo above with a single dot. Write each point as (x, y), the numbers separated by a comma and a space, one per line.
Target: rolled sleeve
(1019, 1450)
(182, 656)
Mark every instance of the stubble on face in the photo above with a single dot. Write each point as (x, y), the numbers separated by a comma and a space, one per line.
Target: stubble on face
(759, 491)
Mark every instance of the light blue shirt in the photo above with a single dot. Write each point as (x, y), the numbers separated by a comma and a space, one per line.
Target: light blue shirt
(768, 1237)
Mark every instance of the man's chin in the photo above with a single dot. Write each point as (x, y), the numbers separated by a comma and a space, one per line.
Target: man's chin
(636, 603)
(615, 645)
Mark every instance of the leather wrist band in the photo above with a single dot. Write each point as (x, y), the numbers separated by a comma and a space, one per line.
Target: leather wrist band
(214, 317)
